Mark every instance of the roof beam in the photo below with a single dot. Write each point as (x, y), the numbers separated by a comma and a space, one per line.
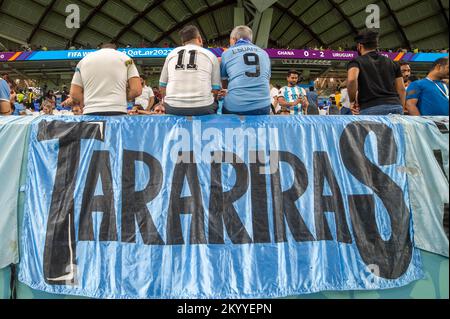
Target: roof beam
(29, 24)
(300, 21)
(214, 20)
(137, 18)
(399, 26)
(146, 20)
(441, 6)
(88, 19)
(413, 23)
(398, 11)
(282, 15)
(213, 8)
(67, 39)
(192, 13)
(432, 35)
(344, 16)
(115, 19)
(41, 19)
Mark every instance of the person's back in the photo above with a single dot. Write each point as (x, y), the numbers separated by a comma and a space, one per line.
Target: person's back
(313, 98)
(104, 75)
(247, 69)
(376, 81)
(189, 75)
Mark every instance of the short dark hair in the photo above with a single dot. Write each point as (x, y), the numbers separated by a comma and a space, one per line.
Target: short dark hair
(402, 63)
(290, 72)
(369, 38)
(189, 33)
(312, 88)
(440, 62)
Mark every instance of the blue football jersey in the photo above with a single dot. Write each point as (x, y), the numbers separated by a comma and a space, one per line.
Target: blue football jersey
(248, 70)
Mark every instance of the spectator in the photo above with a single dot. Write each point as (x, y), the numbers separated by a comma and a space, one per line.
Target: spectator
(47, 107)
(99, 85)
(337, 96)
(190, 77)
(430, 95)
(292, 97)
(376, 80)
(64, 93)
(6, 105)
(157, 95)
(406, 72)
(345, 101)
(29, 100)
(147, 99)
(77, 110)
(313, 100)
(246, 72)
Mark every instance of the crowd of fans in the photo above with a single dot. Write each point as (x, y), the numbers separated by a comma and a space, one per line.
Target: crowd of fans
(194, 82)
(208, 44)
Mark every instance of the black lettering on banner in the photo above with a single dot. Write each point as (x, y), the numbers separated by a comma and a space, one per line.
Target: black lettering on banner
(333, 203)
(60, 246)
(284, 208)
(186, 205)
(440, 159)
(221, 209)
(394, 255)
(260, 218)
(442, 127)
(134, 204)
(100, 167)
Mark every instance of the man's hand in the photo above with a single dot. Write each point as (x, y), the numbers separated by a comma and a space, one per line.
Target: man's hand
(354, 107)
(69, 102)
(222, 93)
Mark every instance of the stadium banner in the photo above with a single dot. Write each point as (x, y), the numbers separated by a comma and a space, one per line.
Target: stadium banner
(427, 157)
(146, 53)
(217, 207)
(13, 141)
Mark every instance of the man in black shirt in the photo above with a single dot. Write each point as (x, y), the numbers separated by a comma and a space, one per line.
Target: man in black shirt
(375, 83)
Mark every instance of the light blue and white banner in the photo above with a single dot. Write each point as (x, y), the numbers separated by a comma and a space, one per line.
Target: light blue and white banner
(222, 207)
(427, 157)
(13, 139)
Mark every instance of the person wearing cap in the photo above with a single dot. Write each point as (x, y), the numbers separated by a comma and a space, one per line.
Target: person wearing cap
(374, 82)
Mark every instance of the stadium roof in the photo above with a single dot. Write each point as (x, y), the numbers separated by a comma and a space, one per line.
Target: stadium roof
(419, 24)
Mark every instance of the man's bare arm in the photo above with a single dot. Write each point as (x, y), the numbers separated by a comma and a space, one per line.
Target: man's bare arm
(400, 87)
(352, 84)
(135, 88)
(76, 96)
(411, 107)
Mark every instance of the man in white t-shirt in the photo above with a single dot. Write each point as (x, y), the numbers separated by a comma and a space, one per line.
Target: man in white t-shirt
(147, 99)
(190, 77)
(100, 82)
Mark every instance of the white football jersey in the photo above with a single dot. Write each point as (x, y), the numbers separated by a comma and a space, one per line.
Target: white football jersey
(189, 75)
